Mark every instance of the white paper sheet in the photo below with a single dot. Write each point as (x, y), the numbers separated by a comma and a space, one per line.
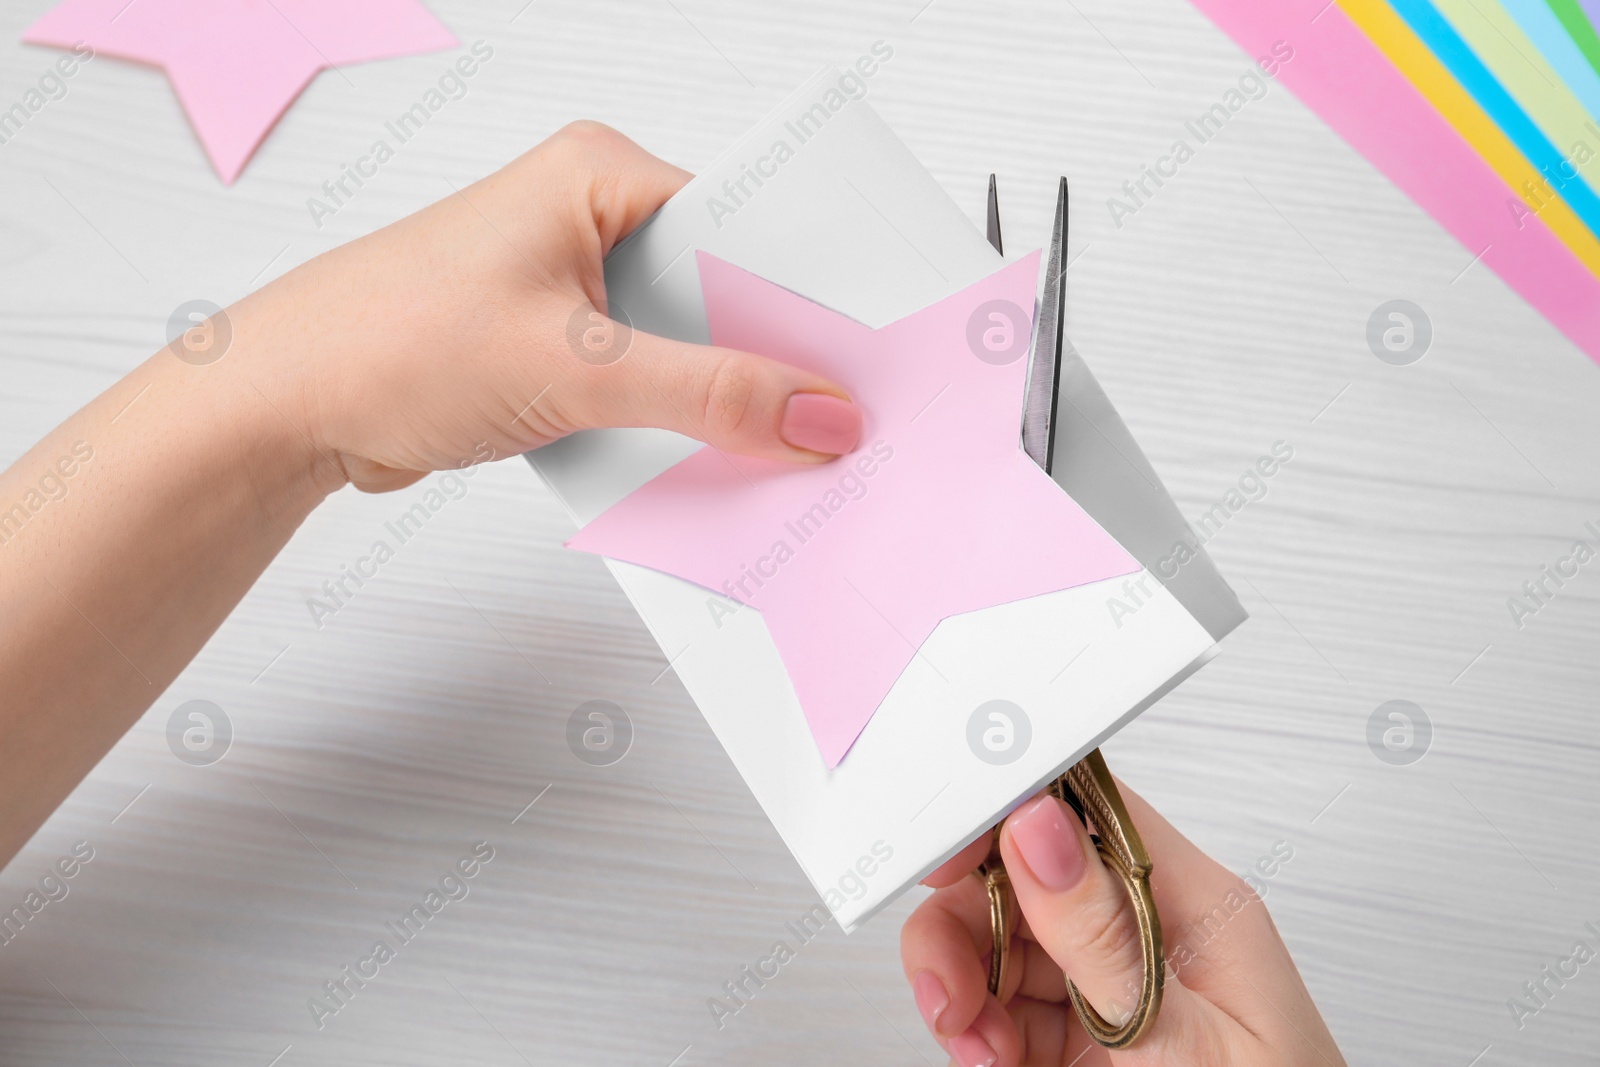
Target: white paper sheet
(851, 220)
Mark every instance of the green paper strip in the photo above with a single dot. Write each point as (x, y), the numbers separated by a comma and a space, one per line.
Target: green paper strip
(1578, 28)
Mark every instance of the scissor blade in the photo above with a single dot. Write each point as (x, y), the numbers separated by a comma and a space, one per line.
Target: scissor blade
(1044, 369)
(994, 217)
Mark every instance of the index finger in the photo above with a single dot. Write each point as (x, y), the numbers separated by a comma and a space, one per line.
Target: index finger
(961, 864)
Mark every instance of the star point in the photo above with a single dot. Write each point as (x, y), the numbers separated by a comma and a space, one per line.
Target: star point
(237, 65)
(938, 512)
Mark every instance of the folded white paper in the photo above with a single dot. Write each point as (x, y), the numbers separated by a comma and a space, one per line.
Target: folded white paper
(851, 220)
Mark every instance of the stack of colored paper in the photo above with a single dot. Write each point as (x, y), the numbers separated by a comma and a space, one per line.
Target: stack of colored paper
(1486, 112)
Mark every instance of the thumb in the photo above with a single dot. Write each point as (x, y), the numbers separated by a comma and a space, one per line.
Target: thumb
(1078, 910)
(732, 400)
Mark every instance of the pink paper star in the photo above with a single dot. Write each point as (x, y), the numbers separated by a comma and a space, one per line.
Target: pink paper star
(237, 65)
(938, 512)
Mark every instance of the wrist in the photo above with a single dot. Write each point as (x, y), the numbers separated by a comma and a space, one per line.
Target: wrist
(303, 355)
(240, 410)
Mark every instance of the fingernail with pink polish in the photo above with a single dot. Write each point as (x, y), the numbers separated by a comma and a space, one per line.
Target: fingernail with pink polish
(931, 997)
(821, 423)
(1048, 843)
(971, 1050)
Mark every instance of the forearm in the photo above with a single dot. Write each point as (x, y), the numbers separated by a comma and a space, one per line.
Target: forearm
(459, 333)
(126, 537)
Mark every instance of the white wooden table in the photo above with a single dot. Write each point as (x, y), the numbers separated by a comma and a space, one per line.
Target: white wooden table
(1228, 313)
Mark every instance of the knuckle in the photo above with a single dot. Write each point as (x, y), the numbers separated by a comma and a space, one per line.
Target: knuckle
(581, 144)
(1109, 933)
(587, 131)
(1245, 904)
(549, 419)
(599, 145)
(1235, 886)
(730, 394)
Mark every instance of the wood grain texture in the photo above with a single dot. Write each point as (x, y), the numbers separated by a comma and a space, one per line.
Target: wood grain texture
(1227, 313)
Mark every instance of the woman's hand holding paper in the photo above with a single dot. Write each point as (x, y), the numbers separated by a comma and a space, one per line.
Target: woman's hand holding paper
(482, 318)
(472, 330)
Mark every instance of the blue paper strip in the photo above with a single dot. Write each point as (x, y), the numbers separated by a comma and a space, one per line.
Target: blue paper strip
(1558, 49)
(1441, 38)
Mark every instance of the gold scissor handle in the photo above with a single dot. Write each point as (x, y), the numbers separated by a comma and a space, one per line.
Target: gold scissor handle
(1091, 791)
(998, 885)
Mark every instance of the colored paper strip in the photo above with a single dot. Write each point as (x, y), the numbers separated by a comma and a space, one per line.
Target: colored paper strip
(1579, 28)
(1390, 33)
(1517, 65)
(1346, 80)
(1437, 33)
(1558, 48)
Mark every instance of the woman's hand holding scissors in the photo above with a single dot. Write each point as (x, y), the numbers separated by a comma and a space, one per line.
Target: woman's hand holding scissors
(1233, 997)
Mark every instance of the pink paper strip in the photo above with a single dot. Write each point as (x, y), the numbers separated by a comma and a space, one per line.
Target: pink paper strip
(1343, 77)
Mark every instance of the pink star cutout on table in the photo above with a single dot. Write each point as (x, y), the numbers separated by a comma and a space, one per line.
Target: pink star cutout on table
(237, 65)
(938, 512)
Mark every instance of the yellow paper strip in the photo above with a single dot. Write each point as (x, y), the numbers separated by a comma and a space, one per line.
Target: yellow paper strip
(1529, 190)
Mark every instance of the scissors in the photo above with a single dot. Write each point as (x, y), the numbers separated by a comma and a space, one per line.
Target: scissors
(1087, 786)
